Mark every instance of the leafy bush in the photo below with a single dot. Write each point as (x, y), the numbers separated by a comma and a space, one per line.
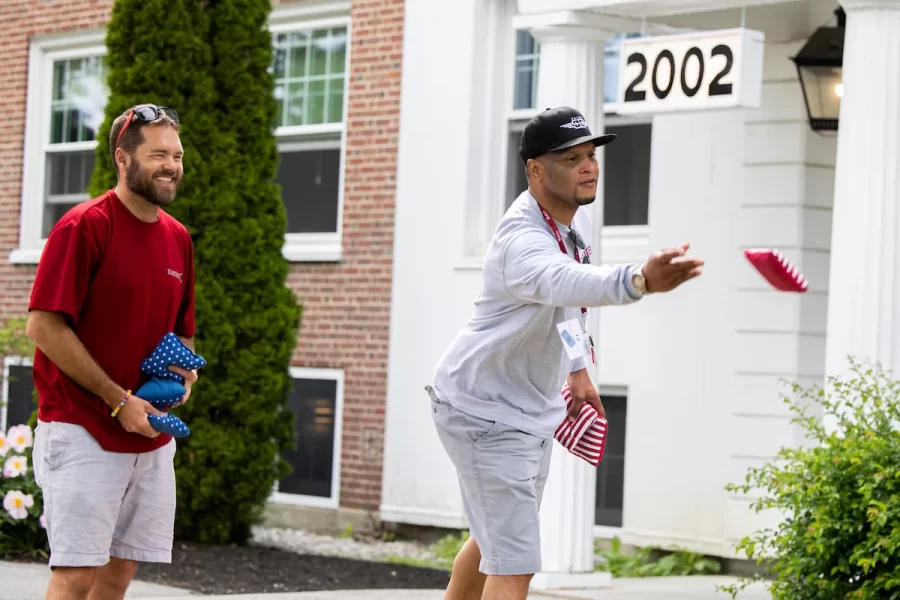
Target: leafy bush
(641, 563)
(209, 61)
(21, 520)
(839, 495)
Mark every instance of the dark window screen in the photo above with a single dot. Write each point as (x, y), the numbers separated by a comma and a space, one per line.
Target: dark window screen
(611, 472)
(313, 402)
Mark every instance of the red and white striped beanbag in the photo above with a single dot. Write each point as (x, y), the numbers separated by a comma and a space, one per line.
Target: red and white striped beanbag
(777, 270)
(586, 436)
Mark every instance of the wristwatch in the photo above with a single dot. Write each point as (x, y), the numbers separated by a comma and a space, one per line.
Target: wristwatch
(639, 282)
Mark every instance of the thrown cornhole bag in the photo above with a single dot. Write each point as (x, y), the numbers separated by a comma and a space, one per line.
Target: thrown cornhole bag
(777, 270)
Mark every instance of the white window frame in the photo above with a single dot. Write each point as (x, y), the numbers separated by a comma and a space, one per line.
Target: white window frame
(42, 53)
(333, 501)
(316, 247)
(9, 361)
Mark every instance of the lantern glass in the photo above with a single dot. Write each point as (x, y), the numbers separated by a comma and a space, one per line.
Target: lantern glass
(823, 89)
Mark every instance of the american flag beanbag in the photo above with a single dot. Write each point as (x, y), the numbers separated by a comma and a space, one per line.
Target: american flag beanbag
(777, 270)
(586, 436)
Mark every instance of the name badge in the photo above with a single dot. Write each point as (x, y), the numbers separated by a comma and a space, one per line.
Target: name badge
(573, 339)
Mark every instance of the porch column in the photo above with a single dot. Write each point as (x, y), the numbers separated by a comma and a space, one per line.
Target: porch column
(864, 286)
(571, 73)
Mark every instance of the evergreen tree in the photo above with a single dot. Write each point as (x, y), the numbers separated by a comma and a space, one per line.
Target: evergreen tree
(209, 61)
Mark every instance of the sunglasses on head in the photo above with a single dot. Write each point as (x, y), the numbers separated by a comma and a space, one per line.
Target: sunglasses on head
(146, 113)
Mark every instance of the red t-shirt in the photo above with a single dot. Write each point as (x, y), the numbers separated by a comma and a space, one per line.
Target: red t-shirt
(123, 284)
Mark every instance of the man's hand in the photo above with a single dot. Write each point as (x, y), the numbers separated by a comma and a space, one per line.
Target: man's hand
(583, 390)
(189, 378)
(133, 417)
(667, 269)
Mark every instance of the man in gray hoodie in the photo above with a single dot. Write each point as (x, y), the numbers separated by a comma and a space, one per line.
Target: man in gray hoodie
(496, 395)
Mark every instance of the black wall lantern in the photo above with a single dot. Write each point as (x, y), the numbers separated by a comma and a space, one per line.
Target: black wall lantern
(819, 66)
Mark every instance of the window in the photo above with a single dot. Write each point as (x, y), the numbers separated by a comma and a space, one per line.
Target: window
(310, 69)
(18, 402)
(316, 400)
(626, 164)
(528, 53)
(608, 499)
(67, 95)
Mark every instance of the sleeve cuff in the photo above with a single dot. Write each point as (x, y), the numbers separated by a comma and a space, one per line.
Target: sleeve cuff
(577, 365)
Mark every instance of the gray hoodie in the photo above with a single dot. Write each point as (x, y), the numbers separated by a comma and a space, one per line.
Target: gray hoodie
(509, 364)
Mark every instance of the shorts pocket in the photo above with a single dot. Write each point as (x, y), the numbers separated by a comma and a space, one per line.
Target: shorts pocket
(480, 430)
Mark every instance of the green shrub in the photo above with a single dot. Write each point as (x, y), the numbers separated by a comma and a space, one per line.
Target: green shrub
(209, 60)
(839, 495)
(640, 563)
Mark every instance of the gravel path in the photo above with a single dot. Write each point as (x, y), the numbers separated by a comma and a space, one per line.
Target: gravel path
(304, 542)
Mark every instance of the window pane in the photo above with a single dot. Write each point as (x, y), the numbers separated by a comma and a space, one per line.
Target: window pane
(280, 57)
(335, 101)
(313, 402)
(298, 61)
(338, 44)
(626, 174)
(296, 100)
(525, 85)
(79, 98)
(69, 173)
(309, 187)
(319, 58)
(310, 66)
(52, 214)
(611, 472)
(527, 61)
(525, 43)
(21, 399)
(315, 103)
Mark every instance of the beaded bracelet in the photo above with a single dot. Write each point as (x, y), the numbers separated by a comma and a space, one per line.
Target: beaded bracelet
(121, 404)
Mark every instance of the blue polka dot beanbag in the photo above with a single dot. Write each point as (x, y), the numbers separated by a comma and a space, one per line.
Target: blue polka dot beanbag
(171, 351)
(169, 424)
(166, 388)
(161, 393)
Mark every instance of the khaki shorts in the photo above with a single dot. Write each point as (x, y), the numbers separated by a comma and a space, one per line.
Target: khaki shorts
(100, 504)
(502, 473)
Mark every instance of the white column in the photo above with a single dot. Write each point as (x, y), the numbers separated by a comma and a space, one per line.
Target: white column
(571, 74)
(864, 286)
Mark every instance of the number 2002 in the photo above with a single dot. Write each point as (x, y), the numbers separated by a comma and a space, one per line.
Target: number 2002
(716, 88)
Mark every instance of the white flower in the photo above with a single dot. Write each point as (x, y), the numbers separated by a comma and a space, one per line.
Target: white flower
(19, 437)
(15, 466)
(17, 504)
(4, 445)
(43, 520)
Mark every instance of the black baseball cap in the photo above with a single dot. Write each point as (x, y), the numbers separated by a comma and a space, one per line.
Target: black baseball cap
(557, 129)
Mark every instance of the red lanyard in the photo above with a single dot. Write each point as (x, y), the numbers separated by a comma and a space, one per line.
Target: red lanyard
(562, 246)
(559, 240)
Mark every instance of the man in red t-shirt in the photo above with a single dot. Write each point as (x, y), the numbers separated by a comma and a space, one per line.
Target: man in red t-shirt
(116, 275)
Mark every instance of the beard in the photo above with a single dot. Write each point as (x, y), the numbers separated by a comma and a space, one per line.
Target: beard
(144, 184)
(585, 201)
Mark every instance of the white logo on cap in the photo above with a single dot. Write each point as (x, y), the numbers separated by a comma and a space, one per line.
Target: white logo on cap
(577, 123)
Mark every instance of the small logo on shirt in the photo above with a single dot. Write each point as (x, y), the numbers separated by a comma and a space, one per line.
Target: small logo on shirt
(176, 275)
(576, 123)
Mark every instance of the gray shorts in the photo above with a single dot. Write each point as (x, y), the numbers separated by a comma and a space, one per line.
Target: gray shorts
(100, 504)
(502, 472)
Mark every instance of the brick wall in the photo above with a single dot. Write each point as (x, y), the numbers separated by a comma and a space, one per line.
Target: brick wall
(346, 306)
